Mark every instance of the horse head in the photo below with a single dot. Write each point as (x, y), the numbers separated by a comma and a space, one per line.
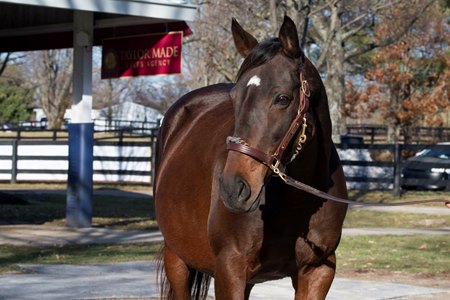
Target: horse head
(267, 100)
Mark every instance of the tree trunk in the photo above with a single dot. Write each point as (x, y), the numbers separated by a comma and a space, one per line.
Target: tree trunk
(55, 85)
(334, 57)
(335, 86)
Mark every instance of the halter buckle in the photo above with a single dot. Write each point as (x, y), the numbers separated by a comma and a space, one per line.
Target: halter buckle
(277, 168)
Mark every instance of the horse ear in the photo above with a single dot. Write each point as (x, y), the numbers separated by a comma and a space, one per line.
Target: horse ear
(289, 38)
(243, 40)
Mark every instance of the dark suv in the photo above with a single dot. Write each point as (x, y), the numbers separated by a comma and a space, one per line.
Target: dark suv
(429, 169)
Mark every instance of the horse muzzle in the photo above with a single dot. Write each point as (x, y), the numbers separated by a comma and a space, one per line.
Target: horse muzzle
(241, 183)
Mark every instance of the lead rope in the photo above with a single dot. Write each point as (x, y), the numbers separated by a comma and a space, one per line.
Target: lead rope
(309, 189)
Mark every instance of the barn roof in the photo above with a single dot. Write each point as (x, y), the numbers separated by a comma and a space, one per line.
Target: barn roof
(48, 24)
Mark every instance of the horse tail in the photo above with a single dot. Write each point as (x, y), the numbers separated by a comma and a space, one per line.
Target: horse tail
(198, 282)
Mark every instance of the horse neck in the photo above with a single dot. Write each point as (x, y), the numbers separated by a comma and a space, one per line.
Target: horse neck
(310, 166)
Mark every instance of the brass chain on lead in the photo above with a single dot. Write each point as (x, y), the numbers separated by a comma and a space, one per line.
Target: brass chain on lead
(301, 140)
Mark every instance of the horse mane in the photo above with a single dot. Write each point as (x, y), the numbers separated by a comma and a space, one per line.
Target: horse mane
(260, 54)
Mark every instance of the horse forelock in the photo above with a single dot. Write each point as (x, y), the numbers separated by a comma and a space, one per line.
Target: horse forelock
(261, 54)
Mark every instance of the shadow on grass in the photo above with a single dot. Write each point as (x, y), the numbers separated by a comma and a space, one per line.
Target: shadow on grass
(41, 207)
(12, 256)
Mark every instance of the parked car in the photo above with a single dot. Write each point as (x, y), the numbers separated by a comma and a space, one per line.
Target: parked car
(429, 169)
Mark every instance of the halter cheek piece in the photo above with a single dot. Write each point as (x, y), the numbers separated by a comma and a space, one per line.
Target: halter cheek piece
(273, 161)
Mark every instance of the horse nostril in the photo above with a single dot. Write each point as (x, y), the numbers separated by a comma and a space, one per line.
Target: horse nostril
(243, 190)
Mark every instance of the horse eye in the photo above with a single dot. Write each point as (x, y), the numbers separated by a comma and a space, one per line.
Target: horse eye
(282, 99)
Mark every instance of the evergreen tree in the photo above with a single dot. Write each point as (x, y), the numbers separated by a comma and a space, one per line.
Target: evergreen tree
(14, 103)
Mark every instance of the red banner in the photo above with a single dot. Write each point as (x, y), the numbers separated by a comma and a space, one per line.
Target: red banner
(155, 54)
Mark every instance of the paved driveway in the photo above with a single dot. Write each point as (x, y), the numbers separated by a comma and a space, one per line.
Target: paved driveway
(137, 280)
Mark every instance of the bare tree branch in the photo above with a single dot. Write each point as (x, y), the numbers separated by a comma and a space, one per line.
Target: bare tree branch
(4, 63)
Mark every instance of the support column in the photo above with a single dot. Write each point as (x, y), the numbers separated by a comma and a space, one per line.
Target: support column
(81, 128)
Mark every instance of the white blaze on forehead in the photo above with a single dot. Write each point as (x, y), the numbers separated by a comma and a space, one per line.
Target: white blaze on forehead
(255, 80)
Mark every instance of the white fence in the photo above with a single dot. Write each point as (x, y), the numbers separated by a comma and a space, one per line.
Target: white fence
(48, 161)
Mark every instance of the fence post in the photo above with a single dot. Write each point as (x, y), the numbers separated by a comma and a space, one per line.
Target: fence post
(14, 162)
(372, 135)
(121, 135)
(154, 134)
(397, 168)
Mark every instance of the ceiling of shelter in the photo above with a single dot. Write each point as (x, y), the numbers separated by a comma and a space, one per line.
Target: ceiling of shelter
(28, 27)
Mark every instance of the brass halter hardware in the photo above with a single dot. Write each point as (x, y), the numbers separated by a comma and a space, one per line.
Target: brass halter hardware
(301, 140)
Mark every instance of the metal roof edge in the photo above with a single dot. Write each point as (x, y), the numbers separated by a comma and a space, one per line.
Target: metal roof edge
(152, 9)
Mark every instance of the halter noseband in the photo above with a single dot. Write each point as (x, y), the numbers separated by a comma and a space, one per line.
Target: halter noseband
(273, 161)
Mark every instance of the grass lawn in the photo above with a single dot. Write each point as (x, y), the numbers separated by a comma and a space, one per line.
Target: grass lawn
(428, 255)
(114, 212)
(134, 213)
(411, 254)
(11, 256)
(387, 196)
(357, 218)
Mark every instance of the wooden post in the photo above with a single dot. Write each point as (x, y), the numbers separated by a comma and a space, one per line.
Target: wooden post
(397, 168)
(14, 161)
(154, 134)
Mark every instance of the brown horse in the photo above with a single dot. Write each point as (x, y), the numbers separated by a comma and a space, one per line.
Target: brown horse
(220, 208)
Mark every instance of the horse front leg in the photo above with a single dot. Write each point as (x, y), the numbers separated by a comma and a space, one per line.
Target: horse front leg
(177, 273)
(313, 282)
(236, 253)
(235, 239)
(230, 276)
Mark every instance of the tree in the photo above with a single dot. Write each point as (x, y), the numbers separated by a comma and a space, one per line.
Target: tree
(51, 76)
(409, 82)
(14, 103)
(4, 59)
(15, 97)
(340, 35)
(343, 31)
(9, 59)
(159, 95)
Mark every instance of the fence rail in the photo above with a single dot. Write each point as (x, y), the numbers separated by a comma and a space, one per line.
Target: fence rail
(128, 158)
(62, 135)
(41, 161)
(421, 135)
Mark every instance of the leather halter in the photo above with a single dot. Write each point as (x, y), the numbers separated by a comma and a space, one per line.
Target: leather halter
(273, 161)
